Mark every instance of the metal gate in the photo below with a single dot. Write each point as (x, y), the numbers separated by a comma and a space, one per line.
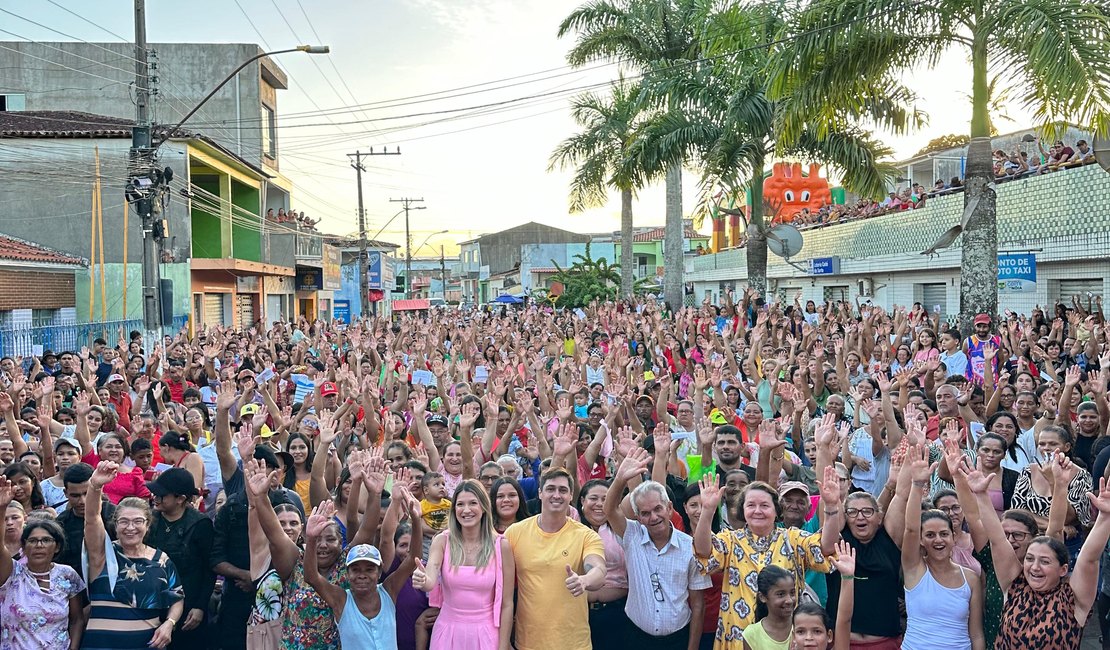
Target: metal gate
(213, 309)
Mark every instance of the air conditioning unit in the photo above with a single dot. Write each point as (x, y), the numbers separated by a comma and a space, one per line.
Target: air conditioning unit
(866, 287)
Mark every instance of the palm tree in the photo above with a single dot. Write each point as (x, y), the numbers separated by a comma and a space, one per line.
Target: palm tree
(736, 128)
(654, 37)
(1057, 51)
(601, 158)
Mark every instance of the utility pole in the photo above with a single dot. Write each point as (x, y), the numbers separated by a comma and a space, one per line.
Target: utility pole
(363, 271)
(408, 240)
(443, 275)
(140, 189)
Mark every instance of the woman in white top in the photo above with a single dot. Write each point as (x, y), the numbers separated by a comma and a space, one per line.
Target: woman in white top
(944, 601)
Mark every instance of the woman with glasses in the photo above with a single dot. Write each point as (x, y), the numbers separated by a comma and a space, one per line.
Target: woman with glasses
(135, 595)
(41, 599)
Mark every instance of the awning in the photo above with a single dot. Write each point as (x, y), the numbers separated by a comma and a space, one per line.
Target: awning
(415, 304)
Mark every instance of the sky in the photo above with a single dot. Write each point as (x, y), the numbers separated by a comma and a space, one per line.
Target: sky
(408, 67)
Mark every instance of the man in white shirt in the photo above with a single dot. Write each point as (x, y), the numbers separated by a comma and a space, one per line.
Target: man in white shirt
(666, 601)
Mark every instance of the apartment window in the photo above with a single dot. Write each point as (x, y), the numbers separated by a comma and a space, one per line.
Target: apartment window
(269, 132)
(13, 102)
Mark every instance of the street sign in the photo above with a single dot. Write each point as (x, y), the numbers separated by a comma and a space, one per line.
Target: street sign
(1017, 272)
(379, 270)
(824, 265)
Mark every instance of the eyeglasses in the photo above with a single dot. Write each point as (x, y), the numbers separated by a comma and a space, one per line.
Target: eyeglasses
(40, 541)
(1017, 536)
(656, 587)
(852, 513)
(950, 510)
(126, 523)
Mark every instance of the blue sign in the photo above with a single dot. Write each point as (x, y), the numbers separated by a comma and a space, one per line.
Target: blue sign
(824, 265)
(341, 310)
(1017, 272)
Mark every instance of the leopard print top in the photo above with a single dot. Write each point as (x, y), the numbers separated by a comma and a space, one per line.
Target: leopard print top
(1039, 620)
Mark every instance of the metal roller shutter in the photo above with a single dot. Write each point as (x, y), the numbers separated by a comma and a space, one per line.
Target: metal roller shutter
(935, 294)
(214, 308)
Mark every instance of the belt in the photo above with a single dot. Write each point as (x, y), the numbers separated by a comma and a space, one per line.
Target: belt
(596, 605)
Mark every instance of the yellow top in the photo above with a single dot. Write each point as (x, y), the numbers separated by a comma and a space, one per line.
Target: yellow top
(435, 514)
(548, 617)
(742, 556)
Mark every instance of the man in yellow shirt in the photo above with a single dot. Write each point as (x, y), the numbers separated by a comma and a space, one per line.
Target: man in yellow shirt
(557, 561)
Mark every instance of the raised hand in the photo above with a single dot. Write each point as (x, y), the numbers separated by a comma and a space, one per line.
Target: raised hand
(469, 415)
(845, 560)
(104, 474)
(257, 478)
(919, 467)
(1101, 501)
(5, 493)
(710, 492)
(768, 437)
(419, 575)
(634, 465)
(319, 519)
(226, 397)
(830, 487)
(978, 480)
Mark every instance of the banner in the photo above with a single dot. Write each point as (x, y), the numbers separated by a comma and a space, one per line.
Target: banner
(1017, 272)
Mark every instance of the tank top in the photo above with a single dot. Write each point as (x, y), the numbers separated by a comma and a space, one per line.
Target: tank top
(758, 639)
(937, 615)
(357, 631)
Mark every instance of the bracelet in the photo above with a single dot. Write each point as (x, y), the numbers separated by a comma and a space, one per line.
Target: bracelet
(830, 513)
(779, 457)
(171, 621)
(844, 577)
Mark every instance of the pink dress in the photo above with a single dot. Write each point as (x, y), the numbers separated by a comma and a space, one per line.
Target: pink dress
(470, 602)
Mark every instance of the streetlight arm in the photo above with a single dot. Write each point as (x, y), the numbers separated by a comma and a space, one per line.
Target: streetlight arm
(310, 49)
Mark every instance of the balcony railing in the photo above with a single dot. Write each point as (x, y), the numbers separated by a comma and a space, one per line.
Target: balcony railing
(310, 245)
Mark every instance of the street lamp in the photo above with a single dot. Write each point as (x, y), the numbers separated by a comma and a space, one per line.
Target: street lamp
(308, 49)
(408, 261)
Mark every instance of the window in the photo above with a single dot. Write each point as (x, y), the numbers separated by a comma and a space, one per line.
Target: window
(13, 102)
(269, 132)
(836, 293)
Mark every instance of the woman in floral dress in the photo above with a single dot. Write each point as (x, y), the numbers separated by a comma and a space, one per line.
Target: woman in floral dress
(40, 601)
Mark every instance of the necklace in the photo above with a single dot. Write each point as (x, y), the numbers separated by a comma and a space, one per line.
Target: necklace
(45, 574)
(760, 544)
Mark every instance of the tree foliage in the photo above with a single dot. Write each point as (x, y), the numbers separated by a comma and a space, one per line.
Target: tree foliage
(586, 280)
(943, 142)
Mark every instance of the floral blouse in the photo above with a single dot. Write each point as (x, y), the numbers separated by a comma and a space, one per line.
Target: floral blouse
(31, 619)
(308, 622)
(742, 555)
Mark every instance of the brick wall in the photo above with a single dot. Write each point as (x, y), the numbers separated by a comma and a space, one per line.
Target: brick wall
(35, 290)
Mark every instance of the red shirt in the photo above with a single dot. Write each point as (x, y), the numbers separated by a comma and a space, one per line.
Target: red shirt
(128, 483)
(122, 404)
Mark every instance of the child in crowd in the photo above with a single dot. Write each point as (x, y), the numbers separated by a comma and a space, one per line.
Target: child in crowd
(951, 355)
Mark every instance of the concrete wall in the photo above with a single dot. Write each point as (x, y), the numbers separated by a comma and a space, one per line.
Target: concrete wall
(1064, 218)
(186, 72)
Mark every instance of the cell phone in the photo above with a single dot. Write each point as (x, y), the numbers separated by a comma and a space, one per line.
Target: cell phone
(936, 309)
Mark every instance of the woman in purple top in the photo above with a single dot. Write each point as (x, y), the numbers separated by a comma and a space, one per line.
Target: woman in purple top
(40, 601)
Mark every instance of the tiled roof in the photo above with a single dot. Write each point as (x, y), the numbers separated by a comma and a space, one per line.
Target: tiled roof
(18, 250)
(544, 269)
(62, 124)
(657, 234)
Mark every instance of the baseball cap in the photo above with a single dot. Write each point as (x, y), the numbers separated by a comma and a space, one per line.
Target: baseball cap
(245, 373)
(328, 388)
(716, 417)
(364, 553)
(176, 480)
(115, 377)
(266, 455)
(436, 418)
(982, 318)
(790, 486)
(249, 409)
(68, 441)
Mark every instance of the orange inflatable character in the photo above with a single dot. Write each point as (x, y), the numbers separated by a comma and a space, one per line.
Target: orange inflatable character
(788, 191)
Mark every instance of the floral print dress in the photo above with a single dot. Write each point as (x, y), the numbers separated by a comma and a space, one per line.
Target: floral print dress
(33, 618)
(308, 623)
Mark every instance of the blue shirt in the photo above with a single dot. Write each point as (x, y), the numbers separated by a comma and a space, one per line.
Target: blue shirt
(357, 631)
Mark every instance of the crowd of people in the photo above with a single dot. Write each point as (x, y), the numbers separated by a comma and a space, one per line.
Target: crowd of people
(1007, 166)
(292, 216)
(748, 475)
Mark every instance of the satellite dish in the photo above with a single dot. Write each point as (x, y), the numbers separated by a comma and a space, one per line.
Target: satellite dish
(784, 240)
(1101, 147)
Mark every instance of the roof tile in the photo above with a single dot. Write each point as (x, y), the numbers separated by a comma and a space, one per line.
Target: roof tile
(19, 250)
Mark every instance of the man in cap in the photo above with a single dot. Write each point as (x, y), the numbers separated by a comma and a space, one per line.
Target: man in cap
(119, 397)
(329, 396)
(974, 345)
(795, 502)
(439, 427)
(186, 536)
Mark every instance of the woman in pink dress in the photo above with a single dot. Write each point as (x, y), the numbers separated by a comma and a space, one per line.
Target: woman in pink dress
(471, 577)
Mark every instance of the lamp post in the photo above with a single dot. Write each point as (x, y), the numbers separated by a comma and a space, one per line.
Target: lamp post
(144, 181)
(408, 256)
(308, 49)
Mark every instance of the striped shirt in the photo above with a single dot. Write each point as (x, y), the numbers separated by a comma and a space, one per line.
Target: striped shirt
(659, 580)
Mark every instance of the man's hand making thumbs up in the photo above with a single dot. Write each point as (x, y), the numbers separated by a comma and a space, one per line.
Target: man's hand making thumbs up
(575, 584)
